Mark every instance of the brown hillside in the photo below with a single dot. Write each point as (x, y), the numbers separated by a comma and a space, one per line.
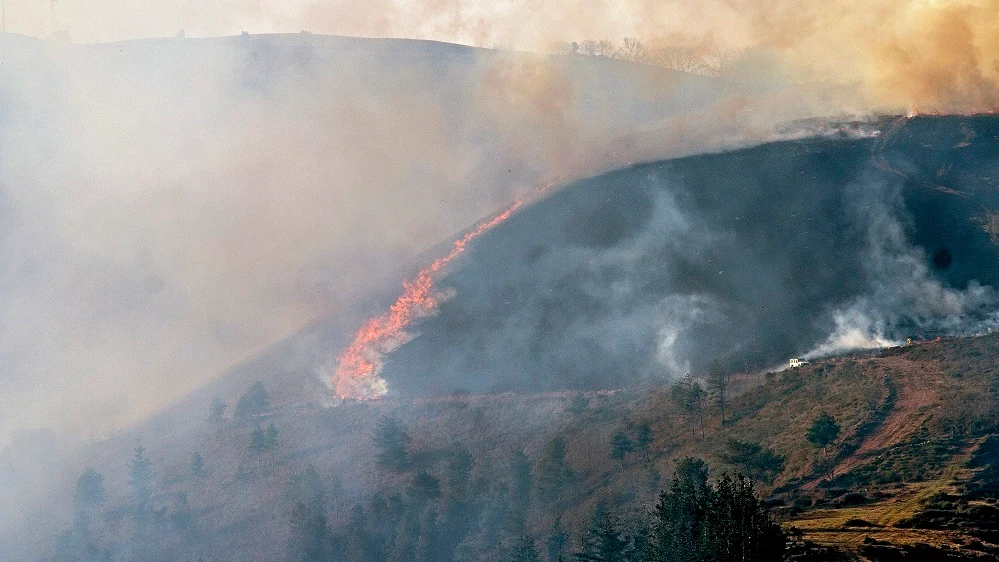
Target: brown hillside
(910, 418)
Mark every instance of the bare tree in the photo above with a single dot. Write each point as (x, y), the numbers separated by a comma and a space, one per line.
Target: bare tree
(604, 49)
(683, 59)
(719, 62)
(631, 49)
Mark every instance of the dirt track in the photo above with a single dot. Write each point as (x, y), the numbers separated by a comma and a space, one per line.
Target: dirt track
(919, 385)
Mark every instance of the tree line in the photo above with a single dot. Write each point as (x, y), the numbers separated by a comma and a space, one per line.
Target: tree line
(153, 517)
(709, 62)
(457, 514)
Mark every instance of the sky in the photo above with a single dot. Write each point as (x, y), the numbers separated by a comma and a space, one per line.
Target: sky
(932, 55)
(517, 23)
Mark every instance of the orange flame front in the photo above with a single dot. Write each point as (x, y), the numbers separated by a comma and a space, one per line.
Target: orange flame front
(359, 365)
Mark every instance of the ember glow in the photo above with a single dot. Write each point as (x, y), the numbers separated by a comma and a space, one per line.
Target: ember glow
(360, 363)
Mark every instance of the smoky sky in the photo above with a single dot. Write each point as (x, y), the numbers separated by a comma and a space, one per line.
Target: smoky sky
(750, 257)
(914, 55)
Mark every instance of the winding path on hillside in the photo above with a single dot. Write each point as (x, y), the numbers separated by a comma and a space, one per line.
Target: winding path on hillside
(919, 384)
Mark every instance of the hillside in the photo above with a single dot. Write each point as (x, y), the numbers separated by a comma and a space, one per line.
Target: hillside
(566, 331)
(752, 256)
(913, 463)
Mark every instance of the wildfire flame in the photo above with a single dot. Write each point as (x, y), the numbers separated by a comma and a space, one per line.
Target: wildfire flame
(361, 362)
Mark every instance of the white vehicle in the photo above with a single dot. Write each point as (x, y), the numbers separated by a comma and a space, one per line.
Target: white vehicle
(795, 362)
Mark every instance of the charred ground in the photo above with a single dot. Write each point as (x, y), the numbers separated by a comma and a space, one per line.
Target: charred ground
(748, 256)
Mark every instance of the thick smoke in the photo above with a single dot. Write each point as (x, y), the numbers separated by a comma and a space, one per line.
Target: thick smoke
(172, 207)
(903, 296)
(916, 55)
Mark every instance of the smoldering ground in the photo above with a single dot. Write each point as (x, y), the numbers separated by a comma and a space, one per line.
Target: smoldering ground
(749, 257)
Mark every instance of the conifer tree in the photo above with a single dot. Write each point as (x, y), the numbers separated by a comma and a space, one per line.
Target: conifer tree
(270, 437)
(258, 440)
(308, 536)
(688, 395)
(520, 480)
(253, 403)
(603, 541)
(824, 431)
(557, 541)
(140, 477)
(643, 439)
(620, 447)
(554, 472)
(217, 413)
(392, 439)
(197, 466)
(524, 550)
(718, 386)
(307, 487)
(694, 522)
(89, 493)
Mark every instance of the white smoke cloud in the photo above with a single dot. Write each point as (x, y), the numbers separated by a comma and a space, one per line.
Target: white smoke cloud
(902, 293)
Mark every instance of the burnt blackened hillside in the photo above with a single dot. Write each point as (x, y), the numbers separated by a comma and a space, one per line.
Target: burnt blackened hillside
(750, 257)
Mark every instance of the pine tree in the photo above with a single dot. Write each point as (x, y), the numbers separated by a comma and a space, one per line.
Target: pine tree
(424, 487)
(520, 480)
(557, 541)
(741, 529)
(694, 522)
(554, 473)
(693, 471)
(688, 395)
(90, 493)
(457, 504)
(679, 519)
(428, 539)
(270, 437)
(718, 386)
(603, 541)
(643, 439)
(360, 545)
(217, 414)
(258, 440)
(308, 536)
(620, 447)
(197, 465)
(459, 472)
(306, 487)
(253, 403)
(524, 550)
(392, 439)
(182, 516)
(141, 477)
(755, 460)
(824, 431)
